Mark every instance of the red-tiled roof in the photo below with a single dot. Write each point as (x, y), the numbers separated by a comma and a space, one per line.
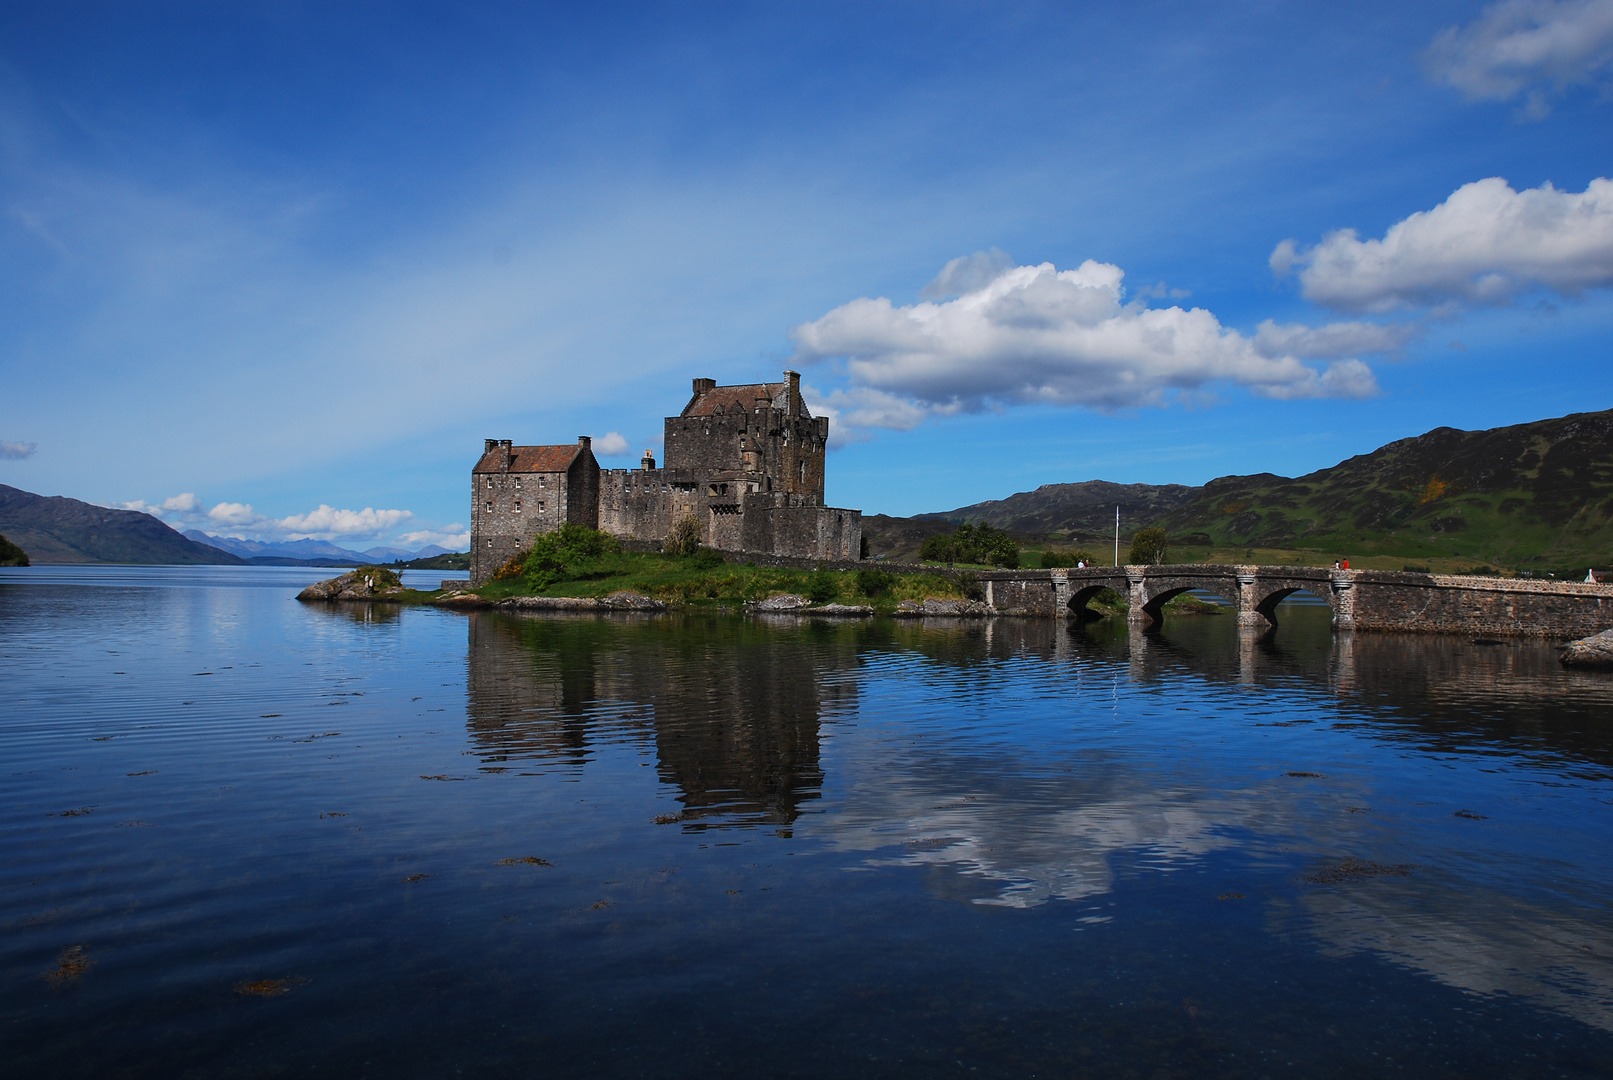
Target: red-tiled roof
(529, 459)
(749, 397)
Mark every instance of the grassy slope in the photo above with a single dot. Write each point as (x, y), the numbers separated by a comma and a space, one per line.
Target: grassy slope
(61, 530)
(1532, 496)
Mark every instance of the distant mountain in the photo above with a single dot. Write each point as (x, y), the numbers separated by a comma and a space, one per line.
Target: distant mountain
(55, 529)
(1529, 495)
(287, 549)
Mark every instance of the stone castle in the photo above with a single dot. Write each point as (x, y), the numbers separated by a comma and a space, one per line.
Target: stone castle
(746, 462)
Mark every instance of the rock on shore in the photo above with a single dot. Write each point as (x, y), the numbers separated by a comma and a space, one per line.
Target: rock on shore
(934, 606)
(1591, 652)
(616, 601)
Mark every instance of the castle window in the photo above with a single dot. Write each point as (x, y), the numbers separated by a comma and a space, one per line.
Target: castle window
(517, 506)
(489, 481)
(518, 483)
(489, 541)
(490, 505)
(540, 506)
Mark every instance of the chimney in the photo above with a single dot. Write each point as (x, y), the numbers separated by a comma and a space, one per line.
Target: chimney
(649, 460)
(488, 449)
(586, 442)
(704, 386)
(792, 405)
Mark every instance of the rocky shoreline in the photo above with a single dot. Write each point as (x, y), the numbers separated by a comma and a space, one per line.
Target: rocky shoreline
(358, 585)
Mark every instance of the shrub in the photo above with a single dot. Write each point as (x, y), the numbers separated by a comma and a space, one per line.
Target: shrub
(1052, 559)
(822, 586)
(872, 583)
(1149, 546)
(546, 560)
(972, 544)
(705, 558)
(379, 577)
(684, 539)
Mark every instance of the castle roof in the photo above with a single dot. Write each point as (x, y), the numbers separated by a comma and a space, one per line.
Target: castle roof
(748, 396)
(529, 459)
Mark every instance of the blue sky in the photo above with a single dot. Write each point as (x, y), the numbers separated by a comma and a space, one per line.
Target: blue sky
(283, 266)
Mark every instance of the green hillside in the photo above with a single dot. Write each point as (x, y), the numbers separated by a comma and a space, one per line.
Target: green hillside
(60, 530)
(1527, 497)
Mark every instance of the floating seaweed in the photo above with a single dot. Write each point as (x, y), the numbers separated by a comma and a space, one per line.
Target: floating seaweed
(668, 819)
(80, 812)
(1471, 816)
(1358, 870)
(1230, 896)
(268, 987)
(415, 877)
(71, 965)
(530, 860)
(1308, 775)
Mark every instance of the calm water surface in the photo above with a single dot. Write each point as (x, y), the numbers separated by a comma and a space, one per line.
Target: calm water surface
(244, 837)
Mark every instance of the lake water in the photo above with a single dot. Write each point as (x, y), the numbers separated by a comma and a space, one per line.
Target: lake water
(244, 837)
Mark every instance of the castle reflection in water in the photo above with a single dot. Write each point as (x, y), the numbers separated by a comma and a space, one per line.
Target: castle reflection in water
(735, 709)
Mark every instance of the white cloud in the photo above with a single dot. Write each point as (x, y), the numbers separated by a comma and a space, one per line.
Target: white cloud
(327, 523)
(455, 537)
(233, 514)
(1483, 245)
(1525, 47)
(1335, 341)
(17, 450)
(611, 444)
(1037, 335)
(968, 273)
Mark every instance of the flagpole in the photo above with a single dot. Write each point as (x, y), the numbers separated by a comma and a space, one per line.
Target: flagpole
(1117, 536)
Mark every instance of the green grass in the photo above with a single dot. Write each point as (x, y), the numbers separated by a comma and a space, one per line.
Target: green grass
(730, 585)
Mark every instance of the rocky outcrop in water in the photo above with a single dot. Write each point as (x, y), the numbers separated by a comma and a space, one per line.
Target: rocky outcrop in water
(616, 601)
(365, 583)
(1591, 652)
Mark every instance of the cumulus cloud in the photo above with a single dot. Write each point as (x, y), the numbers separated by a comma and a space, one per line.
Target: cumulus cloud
(236, 514)
(611, 444)
(968, 273)
(1528, 48)
(328, 523)
(1483, 245)
(17, 450)
(182, 504)
(1039, 335)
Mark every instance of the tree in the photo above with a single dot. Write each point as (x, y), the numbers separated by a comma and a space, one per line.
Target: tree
(973, 544)
(1148, 547)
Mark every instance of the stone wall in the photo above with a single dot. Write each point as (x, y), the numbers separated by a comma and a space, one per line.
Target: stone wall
(1494, 606)
(507, 511)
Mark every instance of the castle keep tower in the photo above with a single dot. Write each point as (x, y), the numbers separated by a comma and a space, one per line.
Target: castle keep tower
(746, 462)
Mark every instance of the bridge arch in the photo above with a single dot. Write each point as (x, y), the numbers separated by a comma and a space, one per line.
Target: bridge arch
(1163, 594)
(1084, 593)
(1265, 595)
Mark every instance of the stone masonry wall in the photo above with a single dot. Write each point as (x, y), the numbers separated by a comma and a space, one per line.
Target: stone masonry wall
(507, 511)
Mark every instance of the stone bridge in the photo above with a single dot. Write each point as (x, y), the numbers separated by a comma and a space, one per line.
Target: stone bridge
(1360, 599)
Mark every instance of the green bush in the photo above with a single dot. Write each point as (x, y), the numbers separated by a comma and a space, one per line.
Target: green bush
(972, 544)
(705, 558)
(822, 586)
(546, 561)
(1054, 559)
(1148, 547)
(874, 583)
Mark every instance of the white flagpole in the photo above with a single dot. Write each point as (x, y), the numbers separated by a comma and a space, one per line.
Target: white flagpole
(1117, 536)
